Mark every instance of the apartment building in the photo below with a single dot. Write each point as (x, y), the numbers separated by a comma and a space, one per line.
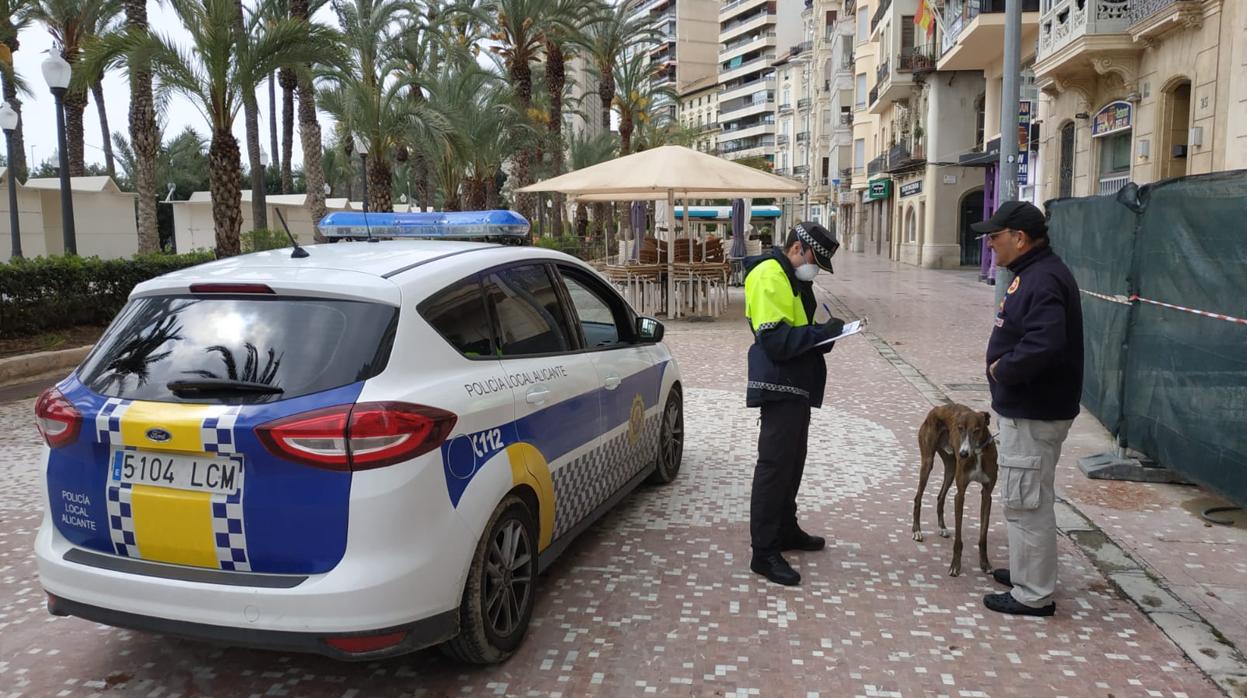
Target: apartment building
(699, 113)
(1139, 90)
(813, 111)
(686, 48)
(751, 33)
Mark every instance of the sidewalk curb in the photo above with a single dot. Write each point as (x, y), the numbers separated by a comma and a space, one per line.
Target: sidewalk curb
(1198, 639)
(21, 368)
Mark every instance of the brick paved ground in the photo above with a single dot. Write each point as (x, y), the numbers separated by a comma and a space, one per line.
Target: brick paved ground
(657, 598)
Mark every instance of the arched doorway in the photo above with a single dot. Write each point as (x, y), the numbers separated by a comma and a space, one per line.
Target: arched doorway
(1175, 127)
(971, 212)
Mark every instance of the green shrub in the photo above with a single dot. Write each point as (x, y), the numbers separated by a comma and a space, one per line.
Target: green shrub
(51, 293)
(262, 239)
(569, 244)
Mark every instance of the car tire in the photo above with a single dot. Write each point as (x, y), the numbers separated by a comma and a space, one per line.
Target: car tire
(500, 590)
(670, 441)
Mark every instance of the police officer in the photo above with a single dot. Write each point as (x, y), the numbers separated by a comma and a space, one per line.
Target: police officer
(1035, 370)
(787, 375)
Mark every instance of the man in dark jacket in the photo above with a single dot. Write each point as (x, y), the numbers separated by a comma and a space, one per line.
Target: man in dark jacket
(1035, 370)
(787, 376)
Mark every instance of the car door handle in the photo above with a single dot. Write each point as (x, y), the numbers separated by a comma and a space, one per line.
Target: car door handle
(612, 382)
(537, 396)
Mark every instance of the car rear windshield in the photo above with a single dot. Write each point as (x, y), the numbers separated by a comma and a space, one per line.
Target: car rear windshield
(286, 346)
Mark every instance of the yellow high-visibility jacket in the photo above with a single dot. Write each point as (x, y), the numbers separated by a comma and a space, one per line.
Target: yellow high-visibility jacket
(784, 363)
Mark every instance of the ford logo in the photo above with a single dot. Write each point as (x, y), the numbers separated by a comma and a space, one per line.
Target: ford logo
(159, 435)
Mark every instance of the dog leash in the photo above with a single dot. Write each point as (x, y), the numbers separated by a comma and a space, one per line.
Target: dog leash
(990, 438)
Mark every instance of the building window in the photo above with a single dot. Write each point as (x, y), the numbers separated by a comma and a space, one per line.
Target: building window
(863, 24)
(859, 154)
(1114, 160)
(860, 95)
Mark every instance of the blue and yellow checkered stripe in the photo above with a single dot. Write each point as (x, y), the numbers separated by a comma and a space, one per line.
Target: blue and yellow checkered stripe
(201, 529)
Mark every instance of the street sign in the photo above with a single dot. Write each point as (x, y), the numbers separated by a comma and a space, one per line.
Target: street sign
(878, 189)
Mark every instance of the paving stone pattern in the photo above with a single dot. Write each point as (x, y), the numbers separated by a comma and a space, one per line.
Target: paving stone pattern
(657, 598)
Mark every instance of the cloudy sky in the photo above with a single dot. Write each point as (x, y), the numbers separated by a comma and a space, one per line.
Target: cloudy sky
(39, 113)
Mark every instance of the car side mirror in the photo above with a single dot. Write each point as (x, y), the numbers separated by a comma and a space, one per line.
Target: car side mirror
(649, 330)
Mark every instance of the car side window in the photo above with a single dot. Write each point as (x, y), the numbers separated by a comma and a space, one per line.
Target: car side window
(529, 319)
(459, 315)
(598, 317)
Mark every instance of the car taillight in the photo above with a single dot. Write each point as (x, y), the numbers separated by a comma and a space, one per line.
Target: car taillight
(57, 418)
(357, 437)
(231, 288)
(363, 644)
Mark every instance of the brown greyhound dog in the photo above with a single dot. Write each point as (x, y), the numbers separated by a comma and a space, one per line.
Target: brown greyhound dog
(962, 438)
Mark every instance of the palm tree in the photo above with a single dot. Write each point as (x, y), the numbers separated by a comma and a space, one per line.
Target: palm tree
(561, 36)
(309, 125)
(585, 151)
(213, 72)
(364, 103)
(71, 23)
(633, 97)
(14, 17)
(614, 30)
(105, 25)
(144, 135)
(520, 28)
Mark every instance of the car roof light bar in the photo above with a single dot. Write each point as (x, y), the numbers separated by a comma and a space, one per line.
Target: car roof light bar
(441, 225)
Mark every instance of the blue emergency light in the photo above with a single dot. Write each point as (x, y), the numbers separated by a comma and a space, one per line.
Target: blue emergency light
(497, 225)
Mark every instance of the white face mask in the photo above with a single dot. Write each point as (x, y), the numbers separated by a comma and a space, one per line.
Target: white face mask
(807, 272)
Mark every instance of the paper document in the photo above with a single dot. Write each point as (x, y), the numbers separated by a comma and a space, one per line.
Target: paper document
(850, 328)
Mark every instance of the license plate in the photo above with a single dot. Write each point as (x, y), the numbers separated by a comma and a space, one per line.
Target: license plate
(216, 474)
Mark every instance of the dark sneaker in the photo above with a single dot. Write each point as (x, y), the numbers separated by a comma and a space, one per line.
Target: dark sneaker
(1001, 575)
(803, 541)
(775, 568)
(1005, 603)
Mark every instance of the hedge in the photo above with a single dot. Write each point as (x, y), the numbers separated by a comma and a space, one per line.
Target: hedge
(52, 293)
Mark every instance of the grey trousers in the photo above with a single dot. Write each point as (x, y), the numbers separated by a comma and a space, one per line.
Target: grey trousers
(1029, 451)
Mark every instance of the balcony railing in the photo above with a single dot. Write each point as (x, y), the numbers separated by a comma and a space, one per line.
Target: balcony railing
(800, 170)
(874, 94)
(803, 103)
(781, 171)
(917, 59)
(1068, 20)
(901, 156)
(882, 73)
(1111, 185)
(781, 139)
(1141, 10)
(737, 43)
(800, 48)
(879, 13)
(803, 137)
(785, 107)
(846, 118)
(877, 165)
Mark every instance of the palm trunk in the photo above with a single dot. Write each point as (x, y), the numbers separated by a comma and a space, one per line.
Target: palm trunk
(251, 120)
(379, 182)
(97, 93)
(285, 77)
(75, 108)
(606, 94)
(522, 79)
(491, 191)
(556, 79)
(626, 127)
(309, 137)
(18, 164)
(421, 166)
(273, 147)
(224, 180)
(144, 138)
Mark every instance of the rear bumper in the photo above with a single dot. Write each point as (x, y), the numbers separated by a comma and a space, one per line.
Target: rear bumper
(417, 635)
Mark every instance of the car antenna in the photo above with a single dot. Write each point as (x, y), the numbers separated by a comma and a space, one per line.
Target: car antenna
(299, 252)
(368, 230)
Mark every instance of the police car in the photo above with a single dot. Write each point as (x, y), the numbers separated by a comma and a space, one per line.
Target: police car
(357, 449)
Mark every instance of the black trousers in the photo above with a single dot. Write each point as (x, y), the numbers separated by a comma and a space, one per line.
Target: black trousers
(777, 477)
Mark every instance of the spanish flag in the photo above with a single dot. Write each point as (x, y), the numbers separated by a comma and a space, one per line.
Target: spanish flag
(924, 18)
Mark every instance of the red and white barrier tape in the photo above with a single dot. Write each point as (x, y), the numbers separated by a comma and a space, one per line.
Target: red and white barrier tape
(1127, 300)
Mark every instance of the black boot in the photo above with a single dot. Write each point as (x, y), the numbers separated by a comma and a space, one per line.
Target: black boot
(800, 540)
(1001, 575)
(775, 568)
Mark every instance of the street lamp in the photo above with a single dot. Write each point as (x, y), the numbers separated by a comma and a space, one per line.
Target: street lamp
(56, 71)
(362, 149)
(8, 122)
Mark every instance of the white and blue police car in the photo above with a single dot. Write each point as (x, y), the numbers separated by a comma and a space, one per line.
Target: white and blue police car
(358, 449)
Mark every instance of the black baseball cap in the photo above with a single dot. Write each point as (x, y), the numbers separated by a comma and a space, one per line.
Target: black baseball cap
(819, 239)
(1015, 215)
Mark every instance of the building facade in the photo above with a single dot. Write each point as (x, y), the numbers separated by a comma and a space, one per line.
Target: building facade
(685, 49)
(1139, 90)
(751, 33)
(699, 113)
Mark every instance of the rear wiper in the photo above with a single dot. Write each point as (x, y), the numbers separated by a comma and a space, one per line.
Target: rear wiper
(222, 385)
